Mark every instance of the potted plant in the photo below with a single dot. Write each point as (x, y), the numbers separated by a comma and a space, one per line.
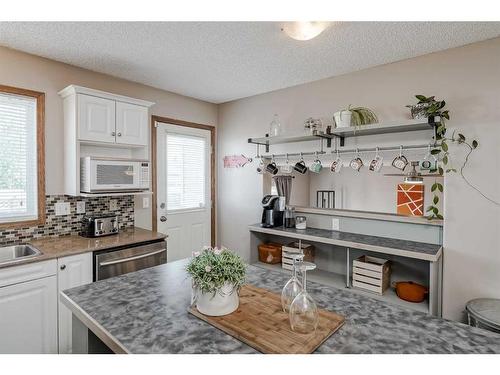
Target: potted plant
(356, 116)
(217, 276)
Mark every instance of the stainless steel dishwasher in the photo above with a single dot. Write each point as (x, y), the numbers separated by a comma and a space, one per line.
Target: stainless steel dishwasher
(118, 261)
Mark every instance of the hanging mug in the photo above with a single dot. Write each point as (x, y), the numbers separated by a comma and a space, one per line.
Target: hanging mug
(300, 166)
(376, 163)
(260, 167)
(429, 162)
(336, 165)
(356, 163)
(400, 162)
(272, 167)
(287, 168)
(316, 166)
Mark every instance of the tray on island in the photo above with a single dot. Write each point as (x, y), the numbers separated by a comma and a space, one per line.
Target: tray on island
(260, 323)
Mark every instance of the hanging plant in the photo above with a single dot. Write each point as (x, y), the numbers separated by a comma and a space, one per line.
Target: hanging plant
(436, 113)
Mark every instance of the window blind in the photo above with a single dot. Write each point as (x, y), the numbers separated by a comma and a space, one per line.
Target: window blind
(18, 158)
(186, 172)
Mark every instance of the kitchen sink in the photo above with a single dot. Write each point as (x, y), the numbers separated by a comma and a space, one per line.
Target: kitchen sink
(10, 254)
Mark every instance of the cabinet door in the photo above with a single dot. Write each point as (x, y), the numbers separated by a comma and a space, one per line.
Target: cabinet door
(96, 119)
(28, 317)
(72, 271)
(131, 124)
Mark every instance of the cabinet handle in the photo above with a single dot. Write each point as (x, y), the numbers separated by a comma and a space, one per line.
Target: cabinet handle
(113, 134)
(119, 134)
(63, 267)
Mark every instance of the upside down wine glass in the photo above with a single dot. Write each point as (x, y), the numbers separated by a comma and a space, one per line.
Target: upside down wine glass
(303, 310)
(293, 287)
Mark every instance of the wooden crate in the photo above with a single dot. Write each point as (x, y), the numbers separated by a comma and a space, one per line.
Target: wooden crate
(372, 274)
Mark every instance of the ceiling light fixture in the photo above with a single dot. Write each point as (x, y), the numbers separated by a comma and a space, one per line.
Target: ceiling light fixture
(304, 30)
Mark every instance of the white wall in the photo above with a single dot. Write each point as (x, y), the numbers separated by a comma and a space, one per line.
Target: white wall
(35, 73)
(467, 77)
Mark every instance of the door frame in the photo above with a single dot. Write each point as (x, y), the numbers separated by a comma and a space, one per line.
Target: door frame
(154, 175)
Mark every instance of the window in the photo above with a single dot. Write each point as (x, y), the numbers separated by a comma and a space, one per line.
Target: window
(186, 172)
(22, 176)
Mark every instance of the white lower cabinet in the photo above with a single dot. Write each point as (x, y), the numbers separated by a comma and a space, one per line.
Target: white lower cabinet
(28, 311)
(72, 271)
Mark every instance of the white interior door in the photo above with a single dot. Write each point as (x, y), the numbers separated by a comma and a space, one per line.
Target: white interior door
(183, 205)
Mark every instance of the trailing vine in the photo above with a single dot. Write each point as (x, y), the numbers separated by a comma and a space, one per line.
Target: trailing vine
(434, 110)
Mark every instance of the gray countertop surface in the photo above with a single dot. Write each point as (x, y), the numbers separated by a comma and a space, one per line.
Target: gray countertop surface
(146, 312)
(419, 250)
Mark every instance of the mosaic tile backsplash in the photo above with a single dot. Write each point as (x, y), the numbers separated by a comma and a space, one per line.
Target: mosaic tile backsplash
(70, 224)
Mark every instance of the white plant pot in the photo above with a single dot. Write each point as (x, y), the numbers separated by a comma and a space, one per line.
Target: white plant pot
(223, 302)
(342, 118)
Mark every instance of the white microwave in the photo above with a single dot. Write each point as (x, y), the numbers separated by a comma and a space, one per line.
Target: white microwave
(103, 175)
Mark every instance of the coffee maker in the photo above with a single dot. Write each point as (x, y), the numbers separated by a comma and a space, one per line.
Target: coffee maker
(272, 213)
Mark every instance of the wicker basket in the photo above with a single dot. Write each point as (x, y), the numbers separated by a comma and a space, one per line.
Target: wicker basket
(270, 253)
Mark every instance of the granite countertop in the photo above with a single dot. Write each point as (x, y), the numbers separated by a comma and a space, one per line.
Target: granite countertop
(386, 245)
(146, 312)
(57, 247)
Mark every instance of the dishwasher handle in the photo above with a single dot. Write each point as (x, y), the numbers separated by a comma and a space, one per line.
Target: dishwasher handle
(117, 261)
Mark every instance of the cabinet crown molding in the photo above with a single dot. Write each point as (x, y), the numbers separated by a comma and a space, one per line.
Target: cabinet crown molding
(75, 89)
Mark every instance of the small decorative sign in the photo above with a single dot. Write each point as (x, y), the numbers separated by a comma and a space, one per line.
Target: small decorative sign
(236, 161)
(410, 199)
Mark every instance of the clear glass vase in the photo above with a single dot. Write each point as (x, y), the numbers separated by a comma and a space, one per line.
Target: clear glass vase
(304, 316)
(275, 128)
(293, 287)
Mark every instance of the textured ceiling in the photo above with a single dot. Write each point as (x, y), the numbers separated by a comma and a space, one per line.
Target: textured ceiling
(223, 61)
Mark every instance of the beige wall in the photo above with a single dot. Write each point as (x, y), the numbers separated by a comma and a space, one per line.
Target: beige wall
(31, 72)
(467, 77)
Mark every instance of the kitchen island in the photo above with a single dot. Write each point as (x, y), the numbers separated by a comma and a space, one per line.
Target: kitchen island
(146, 312)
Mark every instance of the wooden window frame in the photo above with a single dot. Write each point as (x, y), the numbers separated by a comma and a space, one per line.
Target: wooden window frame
(40, 147)
(213, 195)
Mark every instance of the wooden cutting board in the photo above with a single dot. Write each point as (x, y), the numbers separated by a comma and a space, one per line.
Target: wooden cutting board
(261, 323)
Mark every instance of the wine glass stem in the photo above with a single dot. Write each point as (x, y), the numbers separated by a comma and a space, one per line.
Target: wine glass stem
(304, 280)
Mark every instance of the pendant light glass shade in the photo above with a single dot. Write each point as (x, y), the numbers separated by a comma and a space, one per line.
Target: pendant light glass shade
(304, 30)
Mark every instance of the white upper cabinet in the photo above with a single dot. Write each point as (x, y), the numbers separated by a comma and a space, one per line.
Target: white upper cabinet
(96, 119)
(131, 124)
(72, 271)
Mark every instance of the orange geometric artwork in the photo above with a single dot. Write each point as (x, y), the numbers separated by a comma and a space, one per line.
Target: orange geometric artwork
(410, 199)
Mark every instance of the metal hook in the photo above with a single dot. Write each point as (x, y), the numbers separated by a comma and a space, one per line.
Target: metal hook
(400, 151)
(301, 157)
(376, 151)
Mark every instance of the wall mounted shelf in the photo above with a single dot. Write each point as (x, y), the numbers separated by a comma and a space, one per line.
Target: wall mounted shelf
(316, 135)
(342, 133)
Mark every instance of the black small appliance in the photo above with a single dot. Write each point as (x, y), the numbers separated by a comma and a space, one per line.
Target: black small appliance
(272, 213)
(97, 226)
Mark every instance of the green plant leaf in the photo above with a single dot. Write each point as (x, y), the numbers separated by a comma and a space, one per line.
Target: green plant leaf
(434, 186)
(435, 200)
(429, 209)
(474, 144)
(440, 170)
(439, 187)
(445, 159)
(444, 146)
(435, 151)
(435, 210)
(422, 98)
(440, 217)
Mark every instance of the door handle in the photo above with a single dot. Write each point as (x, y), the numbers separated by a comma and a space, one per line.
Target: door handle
(163, 219)
(109, 263)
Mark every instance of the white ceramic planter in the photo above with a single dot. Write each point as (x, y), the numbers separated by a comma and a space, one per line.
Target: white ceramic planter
(223, 302)
(342, 118)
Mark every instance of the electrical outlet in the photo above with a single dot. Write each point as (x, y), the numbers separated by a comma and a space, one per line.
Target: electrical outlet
(62, 208)
(80, 207)
(335, 224)
(145, 202)
(113, 204)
